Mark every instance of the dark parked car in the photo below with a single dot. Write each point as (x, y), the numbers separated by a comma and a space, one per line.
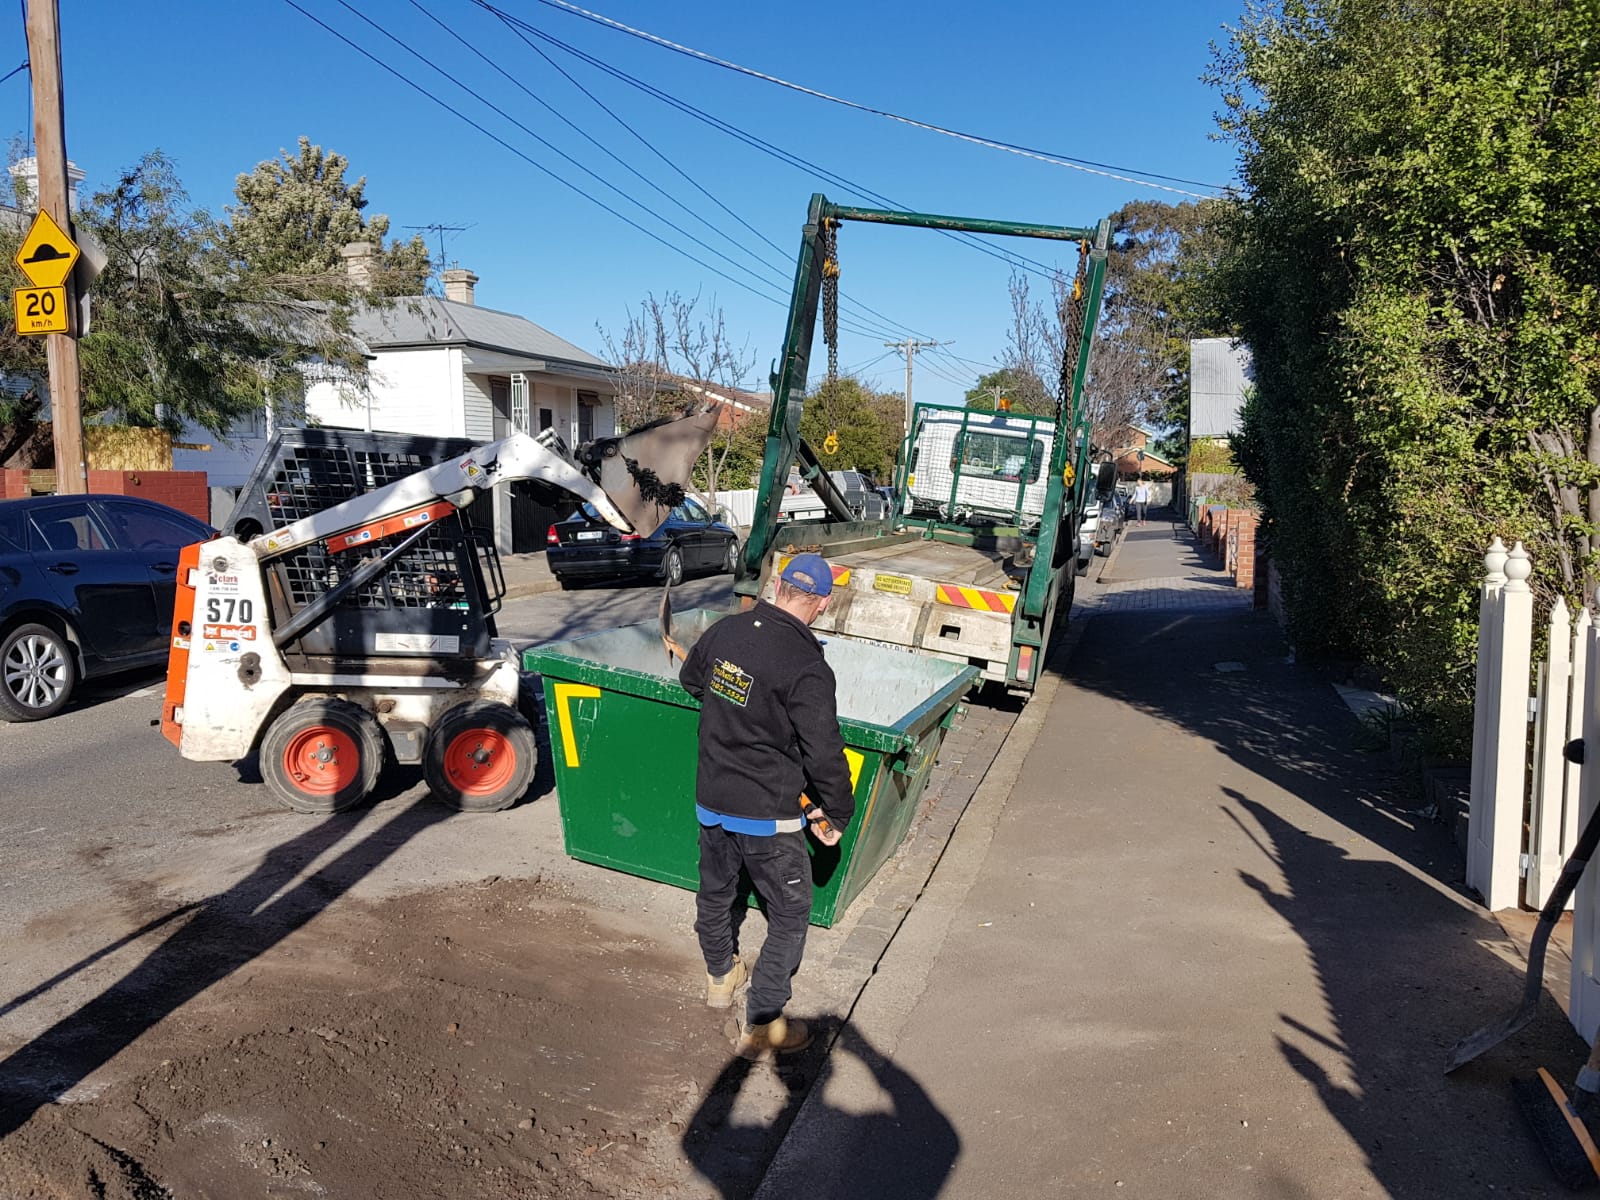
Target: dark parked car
(86, 588)
(585, 547)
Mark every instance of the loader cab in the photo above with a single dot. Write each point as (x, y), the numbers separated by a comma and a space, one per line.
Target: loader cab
(431, 612)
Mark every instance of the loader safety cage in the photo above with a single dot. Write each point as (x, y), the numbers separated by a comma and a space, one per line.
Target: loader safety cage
(1043, 556)
(442, 592)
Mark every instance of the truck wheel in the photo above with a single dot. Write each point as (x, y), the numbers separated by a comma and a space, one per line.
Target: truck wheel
(37, 673)
(672, 566)
(322, 756)
(480, 757)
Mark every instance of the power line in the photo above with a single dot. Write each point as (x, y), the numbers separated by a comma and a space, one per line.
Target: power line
(1010, 257)
(532, 162)
(1088, 166)
(409, 82)
(864, 327)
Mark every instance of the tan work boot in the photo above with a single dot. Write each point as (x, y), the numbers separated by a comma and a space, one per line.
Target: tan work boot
(720, 988)
(779, 1036)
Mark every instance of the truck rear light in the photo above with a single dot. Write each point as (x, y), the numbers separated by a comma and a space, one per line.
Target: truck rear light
(551, 538)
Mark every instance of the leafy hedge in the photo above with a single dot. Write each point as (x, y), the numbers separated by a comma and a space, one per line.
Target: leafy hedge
(1414, 267)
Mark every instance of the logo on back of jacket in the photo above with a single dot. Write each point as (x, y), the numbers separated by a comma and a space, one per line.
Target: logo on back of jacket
(731, 682)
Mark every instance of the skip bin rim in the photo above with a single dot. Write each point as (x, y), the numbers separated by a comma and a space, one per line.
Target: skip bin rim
(550, 660)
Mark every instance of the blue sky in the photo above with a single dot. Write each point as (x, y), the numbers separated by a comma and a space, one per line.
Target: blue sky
(221, 86)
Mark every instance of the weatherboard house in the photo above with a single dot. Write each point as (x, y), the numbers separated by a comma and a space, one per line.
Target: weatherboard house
(439, 366)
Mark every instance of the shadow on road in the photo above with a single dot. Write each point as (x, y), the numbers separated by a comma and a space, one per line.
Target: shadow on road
(906, 1149)
(220, 935)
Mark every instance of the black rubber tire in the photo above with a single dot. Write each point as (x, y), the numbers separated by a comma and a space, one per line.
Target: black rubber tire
(730, 559)
(566, 584)
(38, 672)
(303, 717)
(672, 566)
(511, 732)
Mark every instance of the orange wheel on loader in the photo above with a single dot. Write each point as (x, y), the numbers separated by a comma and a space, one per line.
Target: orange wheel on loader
(480, 757)
(322, 756)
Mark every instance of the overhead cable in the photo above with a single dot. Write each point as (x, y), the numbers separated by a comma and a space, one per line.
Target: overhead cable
(1011, 257)
(1088, 166)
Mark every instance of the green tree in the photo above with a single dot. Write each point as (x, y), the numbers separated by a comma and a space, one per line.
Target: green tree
(1160, 292)
(867, 424)
(1414, 267)
(293, 218)
(1016, 384)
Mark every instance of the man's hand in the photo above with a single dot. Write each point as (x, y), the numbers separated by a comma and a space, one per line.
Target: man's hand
(823, 829)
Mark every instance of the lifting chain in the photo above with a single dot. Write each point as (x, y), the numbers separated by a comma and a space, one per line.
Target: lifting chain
(1072, 310)
(830, 294)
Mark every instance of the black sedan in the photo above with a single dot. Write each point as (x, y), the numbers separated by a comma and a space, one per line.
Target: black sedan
(86, 588)
(584, 547)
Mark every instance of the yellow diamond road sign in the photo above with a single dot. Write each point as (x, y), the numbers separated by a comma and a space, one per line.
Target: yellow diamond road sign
(47, 254)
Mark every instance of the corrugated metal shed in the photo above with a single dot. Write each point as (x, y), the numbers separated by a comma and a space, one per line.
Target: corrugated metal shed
(1219, 372)
(435, 321)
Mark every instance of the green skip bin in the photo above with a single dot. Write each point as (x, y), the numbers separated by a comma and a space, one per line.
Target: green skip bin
(623, 735)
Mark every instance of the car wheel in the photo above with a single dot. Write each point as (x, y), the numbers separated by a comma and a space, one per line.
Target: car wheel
(730, 560)
(672, 566)
(566, 584)
(480, 757)
(322, 756)
(37, 673)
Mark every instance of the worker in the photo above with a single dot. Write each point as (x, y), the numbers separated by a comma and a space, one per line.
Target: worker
(769, 733)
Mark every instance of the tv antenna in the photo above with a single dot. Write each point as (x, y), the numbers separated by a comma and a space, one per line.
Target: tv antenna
(440, 230)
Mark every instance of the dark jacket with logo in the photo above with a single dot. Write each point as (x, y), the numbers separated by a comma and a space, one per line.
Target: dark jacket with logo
(769, 721)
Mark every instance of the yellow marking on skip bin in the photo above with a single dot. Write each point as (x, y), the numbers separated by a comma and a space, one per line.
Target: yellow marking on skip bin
(565, 694)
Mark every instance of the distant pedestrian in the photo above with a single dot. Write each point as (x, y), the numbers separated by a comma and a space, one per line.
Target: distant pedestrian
(769, 724)
(1141, 500)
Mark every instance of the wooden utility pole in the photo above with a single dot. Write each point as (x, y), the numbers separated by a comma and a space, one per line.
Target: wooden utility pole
(909, 348)
(50, 147)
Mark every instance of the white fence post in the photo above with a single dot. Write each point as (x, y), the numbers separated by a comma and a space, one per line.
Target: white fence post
(1546, 850)
(1584, 996)
(1484, 694)
(1500, 742)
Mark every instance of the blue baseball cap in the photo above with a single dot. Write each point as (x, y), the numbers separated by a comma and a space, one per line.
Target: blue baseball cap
(810, 573)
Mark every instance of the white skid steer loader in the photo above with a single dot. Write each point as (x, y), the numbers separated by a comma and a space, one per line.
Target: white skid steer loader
(346, 613)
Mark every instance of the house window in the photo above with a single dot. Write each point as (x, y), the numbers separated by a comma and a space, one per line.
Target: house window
(519, 403)
(587, 403)
(547, 418)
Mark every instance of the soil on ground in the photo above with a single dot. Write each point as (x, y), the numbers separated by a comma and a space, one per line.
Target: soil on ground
(489, 1040)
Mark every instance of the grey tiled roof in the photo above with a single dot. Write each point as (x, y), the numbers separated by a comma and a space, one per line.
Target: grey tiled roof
(1219, 372)
(435, 321)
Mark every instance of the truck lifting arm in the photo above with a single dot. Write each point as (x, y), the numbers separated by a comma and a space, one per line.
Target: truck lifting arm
(784, 444)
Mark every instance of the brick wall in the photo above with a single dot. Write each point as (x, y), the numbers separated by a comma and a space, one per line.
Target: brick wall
(183, 490)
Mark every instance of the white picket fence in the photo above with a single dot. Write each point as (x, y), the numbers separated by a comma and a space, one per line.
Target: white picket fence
(1528, 800)
(740, 506)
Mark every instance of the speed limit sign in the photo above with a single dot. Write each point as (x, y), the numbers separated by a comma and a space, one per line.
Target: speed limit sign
(40, 309)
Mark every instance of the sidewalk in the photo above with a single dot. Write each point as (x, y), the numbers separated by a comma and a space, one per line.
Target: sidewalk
(1201, 947)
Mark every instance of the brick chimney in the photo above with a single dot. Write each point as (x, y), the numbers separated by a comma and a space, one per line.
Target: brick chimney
(359, 260)
(459, 284)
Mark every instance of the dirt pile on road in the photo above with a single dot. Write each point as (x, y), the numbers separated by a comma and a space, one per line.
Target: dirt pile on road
(486, 1041)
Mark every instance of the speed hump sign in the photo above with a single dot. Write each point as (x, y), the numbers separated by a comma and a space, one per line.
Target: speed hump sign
(40, 309)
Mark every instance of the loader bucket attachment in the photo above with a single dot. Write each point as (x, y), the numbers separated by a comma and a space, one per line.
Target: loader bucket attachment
(646, 472)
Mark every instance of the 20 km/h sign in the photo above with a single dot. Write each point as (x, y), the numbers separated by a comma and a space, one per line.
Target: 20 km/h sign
(48, 254)
(41, 310)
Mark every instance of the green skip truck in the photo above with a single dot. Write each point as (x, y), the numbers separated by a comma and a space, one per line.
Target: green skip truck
(975, 562)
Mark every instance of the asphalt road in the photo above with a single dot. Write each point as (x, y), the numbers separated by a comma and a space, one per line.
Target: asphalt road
(103, 820)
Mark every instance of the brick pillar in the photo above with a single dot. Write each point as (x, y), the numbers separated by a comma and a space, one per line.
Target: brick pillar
(1245, 564)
